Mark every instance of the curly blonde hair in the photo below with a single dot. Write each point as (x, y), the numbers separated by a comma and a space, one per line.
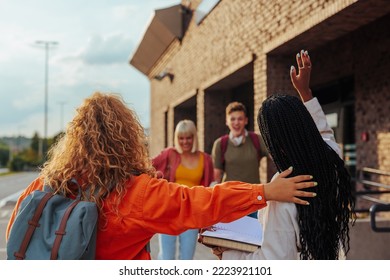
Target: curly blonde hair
(103, 147)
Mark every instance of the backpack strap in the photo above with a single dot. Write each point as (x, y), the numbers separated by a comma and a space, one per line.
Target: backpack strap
(256, 142)
(61, 230)
(32, 225)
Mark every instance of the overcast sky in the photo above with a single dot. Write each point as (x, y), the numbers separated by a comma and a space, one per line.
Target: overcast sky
(95, 39)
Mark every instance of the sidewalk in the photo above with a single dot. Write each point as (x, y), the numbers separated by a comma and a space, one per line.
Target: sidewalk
(201, 253)
(10, 200)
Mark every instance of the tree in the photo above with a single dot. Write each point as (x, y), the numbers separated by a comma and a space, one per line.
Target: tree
(27, 159)
(4, 153)
(35, 143)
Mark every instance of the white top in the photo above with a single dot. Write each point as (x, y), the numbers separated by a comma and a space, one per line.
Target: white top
(280, 219)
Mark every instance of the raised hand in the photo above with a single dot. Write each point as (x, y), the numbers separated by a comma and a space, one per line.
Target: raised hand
(301, 80)
(289, 189)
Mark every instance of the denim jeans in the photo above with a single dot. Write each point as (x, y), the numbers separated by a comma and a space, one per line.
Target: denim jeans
(253, 215)
(187, 245)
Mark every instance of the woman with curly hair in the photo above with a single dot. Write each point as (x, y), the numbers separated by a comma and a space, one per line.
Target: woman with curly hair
(104, 149)
(297, 134)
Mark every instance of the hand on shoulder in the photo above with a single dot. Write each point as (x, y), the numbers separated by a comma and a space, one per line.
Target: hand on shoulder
(289, 189)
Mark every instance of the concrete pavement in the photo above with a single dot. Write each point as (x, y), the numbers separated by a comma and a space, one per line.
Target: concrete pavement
(201, 253)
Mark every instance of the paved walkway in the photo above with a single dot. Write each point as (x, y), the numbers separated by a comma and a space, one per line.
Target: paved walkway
(201, 253)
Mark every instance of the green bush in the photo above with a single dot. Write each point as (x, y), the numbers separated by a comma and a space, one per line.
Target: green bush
(22, 162)
(18, 163)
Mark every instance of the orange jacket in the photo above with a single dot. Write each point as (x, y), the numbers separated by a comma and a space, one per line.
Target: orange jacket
(153, 206)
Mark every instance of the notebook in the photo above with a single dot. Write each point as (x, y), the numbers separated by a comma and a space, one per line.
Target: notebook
(245, 234)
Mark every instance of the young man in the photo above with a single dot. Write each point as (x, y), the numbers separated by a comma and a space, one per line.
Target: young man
(238, 159)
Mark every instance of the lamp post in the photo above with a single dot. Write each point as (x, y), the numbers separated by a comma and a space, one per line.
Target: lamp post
(47, 45)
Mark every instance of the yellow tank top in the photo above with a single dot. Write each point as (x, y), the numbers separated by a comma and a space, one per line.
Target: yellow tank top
(190, 176)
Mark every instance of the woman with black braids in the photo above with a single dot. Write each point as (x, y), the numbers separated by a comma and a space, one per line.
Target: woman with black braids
(297, 134)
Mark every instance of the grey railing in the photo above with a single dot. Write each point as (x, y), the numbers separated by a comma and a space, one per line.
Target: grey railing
(373, 211)
(370, 191)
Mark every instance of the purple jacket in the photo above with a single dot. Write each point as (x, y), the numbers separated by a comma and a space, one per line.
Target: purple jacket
(160, 162)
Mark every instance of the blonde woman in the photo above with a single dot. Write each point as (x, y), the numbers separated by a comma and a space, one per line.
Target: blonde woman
(104, 149)
(186, 165)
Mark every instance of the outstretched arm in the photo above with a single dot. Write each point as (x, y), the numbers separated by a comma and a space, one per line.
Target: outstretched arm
(301, 80)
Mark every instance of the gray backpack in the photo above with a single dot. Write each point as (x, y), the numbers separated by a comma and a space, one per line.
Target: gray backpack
(52, 226)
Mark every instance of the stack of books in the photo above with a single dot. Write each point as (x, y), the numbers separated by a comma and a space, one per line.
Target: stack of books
(245, 234)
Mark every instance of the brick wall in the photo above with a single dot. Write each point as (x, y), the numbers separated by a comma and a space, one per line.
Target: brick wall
(267, 34)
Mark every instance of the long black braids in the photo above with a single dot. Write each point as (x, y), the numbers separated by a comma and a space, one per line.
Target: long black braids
(292, 139)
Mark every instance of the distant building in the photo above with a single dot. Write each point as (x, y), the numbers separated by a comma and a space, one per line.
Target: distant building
(17, 143)
(201, 55)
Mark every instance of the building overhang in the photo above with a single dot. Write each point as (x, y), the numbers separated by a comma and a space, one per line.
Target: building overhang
(343, 22)
(166, 26)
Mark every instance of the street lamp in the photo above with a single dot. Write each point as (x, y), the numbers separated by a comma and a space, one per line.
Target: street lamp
(47, 45)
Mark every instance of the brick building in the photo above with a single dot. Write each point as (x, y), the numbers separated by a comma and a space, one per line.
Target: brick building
(201, 55)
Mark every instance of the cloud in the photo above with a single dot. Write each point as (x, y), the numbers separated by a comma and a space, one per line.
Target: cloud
(109, 50)
(123, 12)
(93, 54)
